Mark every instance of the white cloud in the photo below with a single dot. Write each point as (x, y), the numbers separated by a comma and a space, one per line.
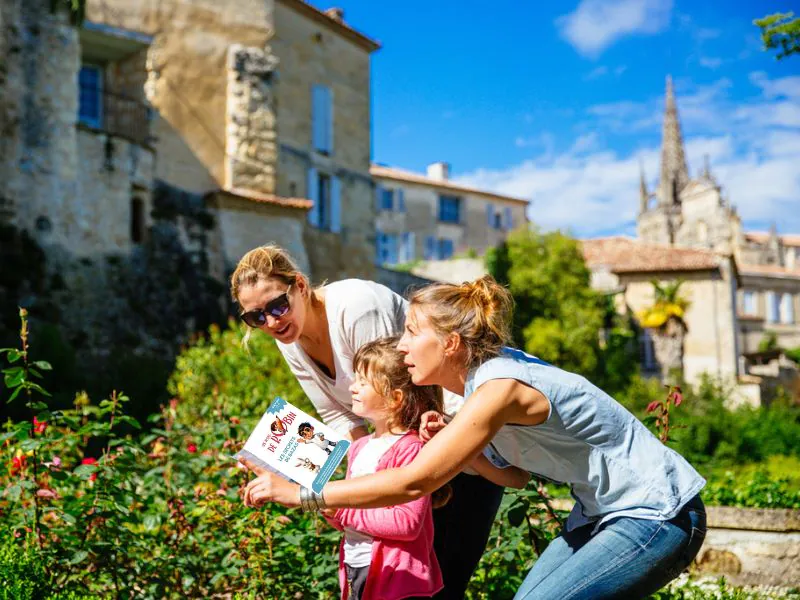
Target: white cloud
(754, 149)
(596, 73)
(596, 24)
(710, 62)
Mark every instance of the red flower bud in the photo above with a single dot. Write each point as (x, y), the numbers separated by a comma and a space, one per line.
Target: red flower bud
(191, 448)
(39, 426)
(653, 405)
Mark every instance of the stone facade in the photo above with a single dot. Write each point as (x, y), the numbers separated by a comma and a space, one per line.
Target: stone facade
(689, 212)
(318, 54)
(412, 224)
(735, 307)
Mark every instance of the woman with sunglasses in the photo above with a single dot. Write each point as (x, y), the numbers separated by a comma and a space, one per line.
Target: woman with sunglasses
(638, 520)
(318, 331)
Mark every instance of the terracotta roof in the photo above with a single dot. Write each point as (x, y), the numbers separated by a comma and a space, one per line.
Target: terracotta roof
(444, 184)
(625, 255)
(261, 198)
(770, 270)
(789, 239)
(337, 25)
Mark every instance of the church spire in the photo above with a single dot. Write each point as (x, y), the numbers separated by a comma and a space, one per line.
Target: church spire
(644, 195)
(674, 173)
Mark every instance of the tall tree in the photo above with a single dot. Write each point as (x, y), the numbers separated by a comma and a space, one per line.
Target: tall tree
(780, 31)
(557, 315)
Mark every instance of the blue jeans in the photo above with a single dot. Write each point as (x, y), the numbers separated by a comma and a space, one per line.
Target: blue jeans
(626, 558)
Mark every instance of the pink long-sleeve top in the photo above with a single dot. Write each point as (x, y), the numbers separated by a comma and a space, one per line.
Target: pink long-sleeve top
(403, 561)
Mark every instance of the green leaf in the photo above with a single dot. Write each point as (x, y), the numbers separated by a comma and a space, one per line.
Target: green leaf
(517, 514)
(14, 492)
(78, 557)
(14, 377)
(58, 474)
(152, 522)
(37, 405)
(85, 471)
(36, 387)
(14, 394)
(43, 365)
(14, 355)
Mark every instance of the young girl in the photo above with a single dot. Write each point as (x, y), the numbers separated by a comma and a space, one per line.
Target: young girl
(387, 553)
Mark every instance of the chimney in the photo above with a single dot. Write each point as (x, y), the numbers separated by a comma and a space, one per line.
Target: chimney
(336, 13)
(439, 170)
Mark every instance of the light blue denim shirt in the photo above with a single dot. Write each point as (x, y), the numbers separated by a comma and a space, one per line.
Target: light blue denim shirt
(613, 464)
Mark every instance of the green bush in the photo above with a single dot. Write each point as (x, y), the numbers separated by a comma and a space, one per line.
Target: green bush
(218, 370)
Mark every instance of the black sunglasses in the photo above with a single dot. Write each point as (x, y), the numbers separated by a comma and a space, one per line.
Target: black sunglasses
(276, 308)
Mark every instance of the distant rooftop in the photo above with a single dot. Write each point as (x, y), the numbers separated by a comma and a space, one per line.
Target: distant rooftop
(761, 237)
(621, 254)
(384, 172)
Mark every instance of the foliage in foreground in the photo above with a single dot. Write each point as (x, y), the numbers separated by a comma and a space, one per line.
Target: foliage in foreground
(89, 503)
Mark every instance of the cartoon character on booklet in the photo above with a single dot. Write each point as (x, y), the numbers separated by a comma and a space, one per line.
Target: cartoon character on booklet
(307, 436)
(306, 463)
(278, 426)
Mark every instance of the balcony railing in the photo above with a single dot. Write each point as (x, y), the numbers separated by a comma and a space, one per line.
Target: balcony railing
(115, 114)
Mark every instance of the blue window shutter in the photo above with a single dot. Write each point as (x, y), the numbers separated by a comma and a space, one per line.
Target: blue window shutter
(400, 200)
(430, 248)
(329, 120)
(90, 95)
(378, 196)
(490, 215)
(336, 205)
(378, 247)
(321, 118)
(509, 218)
(312, 192)
(411, 251)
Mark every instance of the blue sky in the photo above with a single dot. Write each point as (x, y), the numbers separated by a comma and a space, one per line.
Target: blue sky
(560, 102)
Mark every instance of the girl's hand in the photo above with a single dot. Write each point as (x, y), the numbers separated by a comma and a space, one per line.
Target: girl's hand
(430, 424)
(269, 487)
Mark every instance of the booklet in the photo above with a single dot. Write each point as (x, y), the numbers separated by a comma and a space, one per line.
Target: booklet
(295, 445)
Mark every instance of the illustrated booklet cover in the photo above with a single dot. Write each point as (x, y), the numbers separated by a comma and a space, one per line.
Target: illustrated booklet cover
(295, 445)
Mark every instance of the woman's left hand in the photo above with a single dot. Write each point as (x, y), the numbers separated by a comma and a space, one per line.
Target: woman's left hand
(269, 487)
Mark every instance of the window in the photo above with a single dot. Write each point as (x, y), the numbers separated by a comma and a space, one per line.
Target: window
(387, 199)
(749, 302)
(787, 309)
(508, 219)
(386, 248)
(431, 248)
(446, 248)
(772, 307)
(449, 209)
(647, 354)
(322, 119)
(324, 190)
(90, 96)
(407, 250)
(390, 199)
(137, 220)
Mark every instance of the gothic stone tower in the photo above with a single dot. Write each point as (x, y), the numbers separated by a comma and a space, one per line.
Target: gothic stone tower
(687, 212)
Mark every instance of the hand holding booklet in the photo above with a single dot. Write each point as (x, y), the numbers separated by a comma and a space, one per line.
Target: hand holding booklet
(295, 445)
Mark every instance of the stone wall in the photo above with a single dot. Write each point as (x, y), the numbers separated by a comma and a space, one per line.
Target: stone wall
(752, 546)
(244, 224)
(422, 217)
(186, 76)
(710, 344)
(311, 53)
(252, 150)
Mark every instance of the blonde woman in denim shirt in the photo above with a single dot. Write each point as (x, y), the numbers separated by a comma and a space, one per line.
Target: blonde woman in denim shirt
(637, 521)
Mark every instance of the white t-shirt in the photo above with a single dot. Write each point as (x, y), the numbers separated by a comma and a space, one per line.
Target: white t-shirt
(357, 545)
(358, 312)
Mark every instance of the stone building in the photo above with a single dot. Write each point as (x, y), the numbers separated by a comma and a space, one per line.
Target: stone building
(148, 148)
(752, 295)
(260, 109)
(429, 217)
